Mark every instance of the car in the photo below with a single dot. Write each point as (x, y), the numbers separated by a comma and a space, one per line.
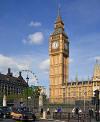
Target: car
(1, 114)
(16, 115)
(5, 112)
(28, 116)
(23, 114)
(76, 110)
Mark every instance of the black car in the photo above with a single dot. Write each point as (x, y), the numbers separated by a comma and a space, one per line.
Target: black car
(1, 114)
(28, 116)
(5, 112)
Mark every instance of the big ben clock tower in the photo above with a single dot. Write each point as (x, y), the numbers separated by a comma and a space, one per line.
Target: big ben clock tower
(59, 62)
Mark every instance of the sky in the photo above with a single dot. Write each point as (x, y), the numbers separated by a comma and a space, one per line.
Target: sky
(25, 28)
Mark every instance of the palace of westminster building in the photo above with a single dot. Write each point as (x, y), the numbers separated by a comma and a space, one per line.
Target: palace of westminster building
(61, 90)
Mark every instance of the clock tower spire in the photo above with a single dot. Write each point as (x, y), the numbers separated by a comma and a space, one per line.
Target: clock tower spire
(59, 61)
(59, 23)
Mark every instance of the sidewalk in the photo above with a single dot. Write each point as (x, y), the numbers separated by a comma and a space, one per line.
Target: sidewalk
(48, 120)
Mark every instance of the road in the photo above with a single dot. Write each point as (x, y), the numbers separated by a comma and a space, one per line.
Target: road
(10, 120)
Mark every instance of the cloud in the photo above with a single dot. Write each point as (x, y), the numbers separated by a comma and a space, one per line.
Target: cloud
(35, 38)
(16, 63)
(35, 24)
(44, 65)
(29, 62)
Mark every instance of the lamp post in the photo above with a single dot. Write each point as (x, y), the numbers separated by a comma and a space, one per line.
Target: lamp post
(84, 102)
(84, 92)
(27, 79)
(4, 97)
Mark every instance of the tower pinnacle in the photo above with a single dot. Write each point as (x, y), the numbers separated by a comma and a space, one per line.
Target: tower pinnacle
(58, 10)
(59, 23)
(59, 19)
(96, 74)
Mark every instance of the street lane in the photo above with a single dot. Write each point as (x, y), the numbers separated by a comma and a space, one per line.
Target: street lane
(10, 120)
(7, 120)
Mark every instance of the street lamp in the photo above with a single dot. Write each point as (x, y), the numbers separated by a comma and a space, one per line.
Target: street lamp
(84, 92)
(27, 79)
(4, 97)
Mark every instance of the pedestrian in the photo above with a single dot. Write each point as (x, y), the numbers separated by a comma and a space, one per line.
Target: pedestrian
(34, 117)
(55, 110)
(97, 115)
(41, 111)
(48, 111)
(59, 110)
(91, 113)
(77, 110)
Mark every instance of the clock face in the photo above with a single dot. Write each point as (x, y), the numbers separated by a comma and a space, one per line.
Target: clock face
(66, 46)
(55, 45)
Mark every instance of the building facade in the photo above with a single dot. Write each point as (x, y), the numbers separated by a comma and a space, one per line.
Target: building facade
(10, 85)
(61, 90)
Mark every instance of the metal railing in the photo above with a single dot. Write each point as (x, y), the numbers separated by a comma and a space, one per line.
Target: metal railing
(83, 117)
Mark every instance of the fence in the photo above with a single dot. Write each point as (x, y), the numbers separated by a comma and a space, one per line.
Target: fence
(69, 116)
